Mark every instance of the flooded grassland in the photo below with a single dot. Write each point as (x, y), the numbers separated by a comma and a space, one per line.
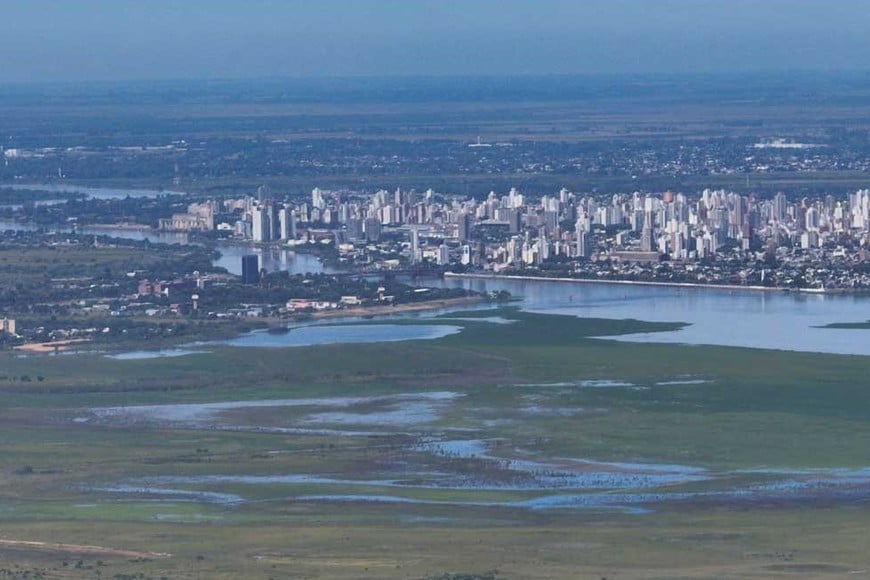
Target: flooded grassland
(508, 444)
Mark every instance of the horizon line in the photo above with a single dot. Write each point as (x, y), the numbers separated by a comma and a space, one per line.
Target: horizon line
(446, 76)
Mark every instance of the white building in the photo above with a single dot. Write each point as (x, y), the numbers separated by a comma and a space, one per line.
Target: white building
(7, 325)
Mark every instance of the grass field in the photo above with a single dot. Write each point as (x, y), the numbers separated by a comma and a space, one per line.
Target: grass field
(525, 449)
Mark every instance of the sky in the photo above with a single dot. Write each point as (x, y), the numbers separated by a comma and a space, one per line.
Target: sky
(82, 40)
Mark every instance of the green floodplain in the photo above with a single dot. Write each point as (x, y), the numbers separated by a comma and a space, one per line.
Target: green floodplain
(525, 446)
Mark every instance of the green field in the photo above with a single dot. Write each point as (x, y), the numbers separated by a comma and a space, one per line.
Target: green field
(526, 449)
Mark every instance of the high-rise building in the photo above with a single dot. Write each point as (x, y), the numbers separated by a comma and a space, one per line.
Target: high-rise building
(372, 227)
(464, 229)
(416, 254)
(284, 223)
(647, 234)
(515, 220)
(317, 200)
(292, 232)
(515, 199)
(583, 249)
(261, 224)
(465, 255)
(780, 204)
(551, 220)
(812, 219)
(274, 221)
(354, 229)
(809, 240)
(443, 255)
(250, 269)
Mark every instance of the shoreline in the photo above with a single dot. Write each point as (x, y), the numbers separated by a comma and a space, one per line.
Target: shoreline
(50, 347)
(647, 283)
(386, 310)
(122, 226)
(70, 345)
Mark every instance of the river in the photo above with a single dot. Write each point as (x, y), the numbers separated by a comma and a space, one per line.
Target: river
(778, 320)
(787, 321)
(92, 192)
(271, 258)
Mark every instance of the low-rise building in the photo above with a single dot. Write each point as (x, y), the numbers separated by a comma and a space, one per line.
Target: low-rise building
(7, 325)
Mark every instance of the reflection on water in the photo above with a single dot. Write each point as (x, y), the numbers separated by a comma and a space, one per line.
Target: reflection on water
(721, 317)
(271, 258)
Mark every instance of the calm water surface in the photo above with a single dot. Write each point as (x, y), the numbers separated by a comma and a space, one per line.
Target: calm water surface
(777, 320)
(272, 259)
(341, 334)
(93, 192)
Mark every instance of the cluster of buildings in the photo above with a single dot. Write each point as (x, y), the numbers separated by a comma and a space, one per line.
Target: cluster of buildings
(515, 230)
(198, 218)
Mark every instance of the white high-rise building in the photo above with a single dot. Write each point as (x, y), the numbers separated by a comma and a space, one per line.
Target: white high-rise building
(260, 226)
(811, 219)
(317, 200)
(416, 254)
(465, 258)
(443, 255)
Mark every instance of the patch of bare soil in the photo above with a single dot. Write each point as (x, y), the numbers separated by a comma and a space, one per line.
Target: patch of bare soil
(78, 549)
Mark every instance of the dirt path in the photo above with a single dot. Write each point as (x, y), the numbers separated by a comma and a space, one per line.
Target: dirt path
(79, 549)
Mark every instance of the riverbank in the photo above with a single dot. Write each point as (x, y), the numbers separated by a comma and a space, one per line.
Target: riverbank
(646, 283)
(228, 330)
(125, 226)
(372, 311)
(51, 347)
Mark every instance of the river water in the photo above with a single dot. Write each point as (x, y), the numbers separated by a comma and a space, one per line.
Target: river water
(92, 192)
(271, 258)
(777, 320)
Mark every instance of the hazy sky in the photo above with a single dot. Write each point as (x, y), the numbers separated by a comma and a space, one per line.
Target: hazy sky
(45, 40)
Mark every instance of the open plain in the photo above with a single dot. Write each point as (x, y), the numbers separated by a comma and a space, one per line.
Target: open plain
(520, 447)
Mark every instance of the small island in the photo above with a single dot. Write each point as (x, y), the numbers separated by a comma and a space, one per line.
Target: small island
(848, 325)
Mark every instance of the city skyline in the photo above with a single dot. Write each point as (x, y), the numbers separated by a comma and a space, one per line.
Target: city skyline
(710, 237)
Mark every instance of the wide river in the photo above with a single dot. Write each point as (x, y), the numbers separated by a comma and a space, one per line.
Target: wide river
(778, 320)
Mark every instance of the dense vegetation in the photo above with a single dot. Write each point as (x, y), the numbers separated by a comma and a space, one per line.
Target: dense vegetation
(598, 134)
